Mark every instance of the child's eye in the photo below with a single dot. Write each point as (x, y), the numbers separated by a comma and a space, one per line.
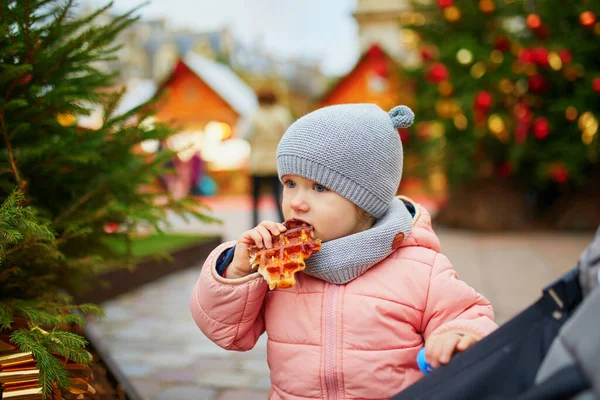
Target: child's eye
(290, 184)
(320, 188)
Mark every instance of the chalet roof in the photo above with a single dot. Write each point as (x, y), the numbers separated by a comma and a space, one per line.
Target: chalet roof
(363, 58)
(226, 83)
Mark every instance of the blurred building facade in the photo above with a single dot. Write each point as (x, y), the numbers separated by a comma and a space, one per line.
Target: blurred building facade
(209, 80)
(151, 48)
(376, 78)
(380, 22)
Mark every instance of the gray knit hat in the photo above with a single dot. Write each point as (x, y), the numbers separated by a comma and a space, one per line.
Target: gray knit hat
(352, 149)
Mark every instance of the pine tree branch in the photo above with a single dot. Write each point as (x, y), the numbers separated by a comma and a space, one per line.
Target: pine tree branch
(78, 204)
(9, 149)
(17, 248)
(27, 29)
(5, 21)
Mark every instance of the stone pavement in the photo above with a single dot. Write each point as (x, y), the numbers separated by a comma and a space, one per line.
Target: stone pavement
(151, 335)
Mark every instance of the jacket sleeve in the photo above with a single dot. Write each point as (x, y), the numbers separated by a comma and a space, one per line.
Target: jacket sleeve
(229, 311)
(452, 305)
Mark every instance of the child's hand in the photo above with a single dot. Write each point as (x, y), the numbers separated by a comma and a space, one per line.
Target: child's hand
(259, 236)
(439, 348)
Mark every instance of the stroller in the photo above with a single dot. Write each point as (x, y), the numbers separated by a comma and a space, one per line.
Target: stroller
(551, 350)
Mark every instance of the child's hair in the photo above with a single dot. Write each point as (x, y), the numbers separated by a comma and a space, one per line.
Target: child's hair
(352, 149)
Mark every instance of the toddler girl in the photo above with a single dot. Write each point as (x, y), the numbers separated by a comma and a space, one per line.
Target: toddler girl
(377, 292)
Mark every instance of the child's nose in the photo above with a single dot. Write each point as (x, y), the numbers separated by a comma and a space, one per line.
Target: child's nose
(299, 203)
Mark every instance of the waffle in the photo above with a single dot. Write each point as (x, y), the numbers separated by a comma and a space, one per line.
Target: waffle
(290, 249)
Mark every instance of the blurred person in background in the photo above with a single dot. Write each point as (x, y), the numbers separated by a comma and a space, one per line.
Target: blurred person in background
(265, 127)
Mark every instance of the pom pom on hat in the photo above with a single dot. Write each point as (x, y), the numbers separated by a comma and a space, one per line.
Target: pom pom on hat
(402, 116)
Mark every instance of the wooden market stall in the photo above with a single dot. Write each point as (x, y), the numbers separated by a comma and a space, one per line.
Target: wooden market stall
(206, 101)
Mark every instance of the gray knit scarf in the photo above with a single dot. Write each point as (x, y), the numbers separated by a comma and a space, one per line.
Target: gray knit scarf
(341, 260)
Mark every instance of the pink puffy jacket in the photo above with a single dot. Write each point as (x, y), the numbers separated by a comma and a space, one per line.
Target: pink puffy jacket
(352, 341)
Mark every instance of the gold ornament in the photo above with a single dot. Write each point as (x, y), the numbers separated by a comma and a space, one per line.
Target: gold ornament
(518, 67)
(571, 113)
(554, 61)
(496, 57)
(506, 86)
(461, 122)
(452, 13)
(66, 119)
(445, 88)
(521, 87)
(497, 127)
(587, 121)
(409, 37)
(573, 71)
(590, 130)
(515, 48)
(531, 69)
(464, 56)
(436, 129)
(597, 28)
(478, 70)
(446, 108)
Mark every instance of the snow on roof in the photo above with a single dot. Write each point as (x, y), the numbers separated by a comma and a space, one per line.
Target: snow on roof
(138, 92)
(226, 83)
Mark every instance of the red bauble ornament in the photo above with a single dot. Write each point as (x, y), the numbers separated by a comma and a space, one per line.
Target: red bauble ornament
(427, 53)
(587, 19)
(565, 56)
(111, 227)
(526, 56)
(596, 84)
(445, 3)
(404, 134)
(483, 101)
(523, 116)
(504, 170)
(541, 128)
(537, 84)
(540, 56)
(559, 174)
(437, 73)
(502, 44)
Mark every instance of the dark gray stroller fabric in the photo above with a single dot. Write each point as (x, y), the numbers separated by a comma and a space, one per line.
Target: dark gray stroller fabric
(578, 341)
(504, 364)
(549, 351)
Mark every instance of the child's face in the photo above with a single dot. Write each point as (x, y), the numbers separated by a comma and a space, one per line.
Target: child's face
(330, 214)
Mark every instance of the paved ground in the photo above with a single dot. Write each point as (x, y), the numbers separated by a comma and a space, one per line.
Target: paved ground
(153, 338)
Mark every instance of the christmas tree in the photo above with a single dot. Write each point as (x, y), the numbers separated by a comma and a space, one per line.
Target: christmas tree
(509, 91)
(65, 188)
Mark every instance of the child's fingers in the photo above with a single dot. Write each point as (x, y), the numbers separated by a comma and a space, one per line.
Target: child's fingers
(265, 235)
(255, 237)
(272, 227)
(448, 347)
(432, 351)
(466, 342)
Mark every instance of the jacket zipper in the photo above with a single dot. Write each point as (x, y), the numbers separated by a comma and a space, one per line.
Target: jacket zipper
(331, 342)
